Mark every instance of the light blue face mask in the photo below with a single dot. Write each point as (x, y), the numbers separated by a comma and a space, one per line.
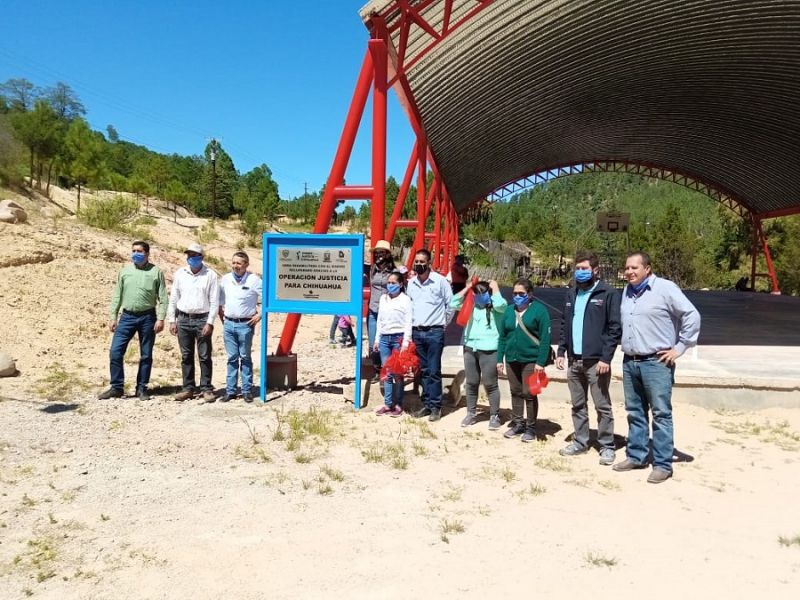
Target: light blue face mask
(583, 276)
(482, 300)
(195, 262)
(393, 288)
(138, 258)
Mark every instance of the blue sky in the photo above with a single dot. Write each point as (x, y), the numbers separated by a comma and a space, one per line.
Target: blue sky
(271, 80)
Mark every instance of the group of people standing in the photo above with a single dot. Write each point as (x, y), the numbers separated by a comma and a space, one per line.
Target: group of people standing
(651, 319)
(140, 304)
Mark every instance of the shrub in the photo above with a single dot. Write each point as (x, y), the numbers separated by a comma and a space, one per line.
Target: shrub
(111, 215)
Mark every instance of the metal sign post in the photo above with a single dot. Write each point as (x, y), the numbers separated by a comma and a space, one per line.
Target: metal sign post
(312, 274)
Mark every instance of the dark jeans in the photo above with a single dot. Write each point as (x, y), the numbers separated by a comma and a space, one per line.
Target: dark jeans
(189, 335)
(581, 377)
(128, 326)
(372, 330)
(521, 398)
(429, 350)
(480, 366)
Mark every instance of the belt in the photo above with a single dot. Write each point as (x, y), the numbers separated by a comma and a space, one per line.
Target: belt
(427, 327)
(180, 313)
(640, 357)
(139, 313)
(237, 320)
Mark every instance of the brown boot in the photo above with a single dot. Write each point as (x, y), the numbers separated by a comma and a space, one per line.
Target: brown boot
(184, 395)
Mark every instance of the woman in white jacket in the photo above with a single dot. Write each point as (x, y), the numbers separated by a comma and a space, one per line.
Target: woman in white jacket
(393, 332)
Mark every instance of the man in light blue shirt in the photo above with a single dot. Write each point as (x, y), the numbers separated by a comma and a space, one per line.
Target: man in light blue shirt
(658, 325)
(430, 295)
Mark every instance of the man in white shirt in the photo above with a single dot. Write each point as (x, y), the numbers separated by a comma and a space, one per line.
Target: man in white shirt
(240, 293)
(193, 306)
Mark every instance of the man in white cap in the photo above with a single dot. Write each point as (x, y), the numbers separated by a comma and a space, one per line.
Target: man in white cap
(193, 306)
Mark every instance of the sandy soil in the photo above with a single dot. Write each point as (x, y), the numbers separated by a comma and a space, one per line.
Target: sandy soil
(307, 498)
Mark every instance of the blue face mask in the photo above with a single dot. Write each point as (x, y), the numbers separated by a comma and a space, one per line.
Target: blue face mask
(482, 300)
(138, 258)
(582, 276)
(521, 301)
(393, 288)
(195, 262)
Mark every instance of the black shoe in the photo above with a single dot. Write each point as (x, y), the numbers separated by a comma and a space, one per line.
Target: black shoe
(436, 414)
(515, 430)
(227, 397)
(247, 397)
(143, 395)
(529, 435)
(422, 412)
(110, 393)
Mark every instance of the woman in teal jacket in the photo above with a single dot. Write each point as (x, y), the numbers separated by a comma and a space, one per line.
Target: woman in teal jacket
(480, 341)
(524, 345)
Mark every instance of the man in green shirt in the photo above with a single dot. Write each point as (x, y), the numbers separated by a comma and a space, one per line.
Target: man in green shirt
(140, 287)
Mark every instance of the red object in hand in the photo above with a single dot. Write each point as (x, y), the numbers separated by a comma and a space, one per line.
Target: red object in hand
(469, 303)
(403, 363)
(537, 381)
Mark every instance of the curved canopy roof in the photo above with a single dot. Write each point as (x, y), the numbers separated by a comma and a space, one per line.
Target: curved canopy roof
(705, 88)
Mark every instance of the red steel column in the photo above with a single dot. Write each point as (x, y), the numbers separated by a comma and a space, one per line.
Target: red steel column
(419, 238)
(335, 178)
(770, 267)
(377, 49)
(437, 226)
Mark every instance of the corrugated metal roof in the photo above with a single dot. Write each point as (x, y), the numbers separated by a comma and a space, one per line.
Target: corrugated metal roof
(707, 88)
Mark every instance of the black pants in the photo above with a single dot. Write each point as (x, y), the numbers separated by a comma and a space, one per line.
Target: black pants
(521, 398)
(190, 334)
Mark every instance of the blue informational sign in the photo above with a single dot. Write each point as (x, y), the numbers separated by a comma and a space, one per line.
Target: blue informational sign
(313, 274)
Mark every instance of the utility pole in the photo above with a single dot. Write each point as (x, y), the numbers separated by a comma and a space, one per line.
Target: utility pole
(213, 156)
(305, 189)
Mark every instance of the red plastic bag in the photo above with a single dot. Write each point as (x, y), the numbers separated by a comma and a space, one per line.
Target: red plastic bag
(469, 303)
(403, 363)
(537, 381)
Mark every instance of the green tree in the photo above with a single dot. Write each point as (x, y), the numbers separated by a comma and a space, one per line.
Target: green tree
(19, 94)
(673, 248)
(175, 193)
(42, 133)
(64, 101)
(83, 155)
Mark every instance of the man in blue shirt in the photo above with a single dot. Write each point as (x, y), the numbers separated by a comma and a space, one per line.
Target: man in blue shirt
(590, 332)
(430, 295)
(658, 325)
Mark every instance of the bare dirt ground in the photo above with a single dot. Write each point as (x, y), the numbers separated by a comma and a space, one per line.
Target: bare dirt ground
(307, 498)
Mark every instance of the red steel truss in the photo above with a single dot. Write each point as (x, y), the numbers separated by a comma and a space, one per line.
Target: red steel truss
(385, 66)
(381, 69)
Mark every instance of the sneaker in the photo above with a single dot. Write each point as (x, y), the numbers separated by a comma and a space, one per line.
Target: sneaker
(184, 395)
(469, 419)
(607, 456)
(659, 475)
(110, 393)
(247, 396)
(627, 465)
(572, 449)
(436, 414)
(143, 395)
(529, 435)
(383, 410)
(422, 412)
(514, 429)
(397, 411)
(494, 422)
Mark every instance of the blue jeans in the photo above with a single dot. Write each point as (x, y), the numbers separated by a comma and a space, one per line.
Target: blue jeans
(372, 330)
(429, 350)
(238, 339)
(393, 386)
(648, 387)
(128, 326)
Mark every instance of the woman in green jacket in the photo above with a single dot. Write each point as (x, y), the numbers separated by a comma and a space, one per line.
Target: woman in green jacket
(480, 348)
(524, 345)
